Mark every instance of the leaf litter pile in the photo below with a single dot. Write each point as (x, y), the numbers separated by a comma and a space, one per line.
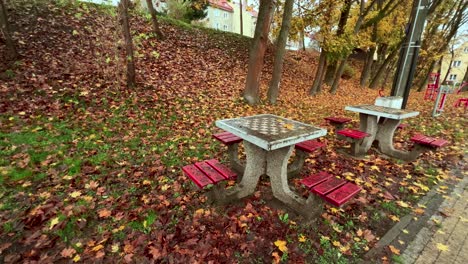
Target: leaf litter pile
(90, 170)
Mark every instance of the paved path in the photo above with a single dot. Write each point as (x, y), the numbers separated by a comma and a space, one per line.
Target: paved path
(443, 239)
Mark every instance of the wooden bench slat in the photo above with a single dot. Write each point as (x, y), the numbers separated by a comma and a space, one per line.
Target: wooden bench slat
(223, 170)
(338, 120)
(344, 193)
(328, 186)
(417, 138)
(213, 174)
(352, 133)
(315, 179)
(227, 138)
(439, 143)
(309, 146)
(197, 176)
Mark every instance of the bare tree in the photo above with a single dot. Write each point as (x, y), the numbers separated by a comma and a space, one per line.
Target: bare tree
(154, 19)
(123, 10)
(257, 52)
(5, 29)
(280, 50)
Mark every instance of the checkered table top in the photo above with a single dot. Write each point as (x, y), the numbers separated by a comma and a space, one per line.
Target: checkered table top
(270, 131)
(388, 112)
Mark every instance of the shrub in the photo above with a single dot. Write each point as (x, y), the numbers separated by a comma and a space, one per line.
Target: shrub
(178, 9)
(348, 72)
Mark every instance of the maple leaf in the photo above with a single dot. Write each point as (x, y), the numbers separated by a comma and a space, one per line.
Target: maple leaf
(395, 218)
(54, 222)
(115, 248)
(419, 211)
(276, 257)
(76, 258)
(281, 244)
(68, 252)
(336, 243)
(98, 247)
(75, 194)
(359, 232)
(442, 247)
(394, 250)
(302, 238)
(155, 253)
(402, 204)
(104, 213)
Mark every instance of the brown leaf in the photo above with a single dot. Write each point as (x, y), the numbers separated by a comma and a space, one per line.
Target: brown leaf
(68, 252)
(155, 253)
(394, 250)
(104, 213)
(368, 235)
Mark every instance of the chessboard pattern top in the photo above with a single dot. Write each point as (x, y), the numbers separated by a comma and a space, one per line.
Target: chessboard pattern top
(269, 131)
(388, 112)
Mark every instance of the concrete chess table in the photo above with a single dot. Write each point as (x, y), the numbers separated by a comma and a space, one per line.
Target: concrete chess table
(381, 122)
(269, 141)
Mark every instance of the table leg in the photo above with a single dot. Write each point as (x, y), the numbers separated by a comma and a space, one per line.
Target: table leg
(385, 138)
(296, 166)
(255, 167)
(277, 166)
(368, 124)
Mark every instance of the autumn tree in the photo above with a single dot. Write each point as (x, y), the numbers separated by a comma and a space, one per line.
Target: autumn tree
(130, 59)
(280, 50)
(6, 31)
(154, 19)
(443, 24)
(257, 52)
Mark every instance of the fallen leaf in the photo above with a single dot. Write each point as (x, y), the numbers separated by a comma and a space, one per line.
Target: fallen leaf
(442, 247)
(302, 238)
(104, 213)
(394, 250)
(54, 222)
(281, 244)
(75, 194)
(97, 248)
(76, 258)
(68, 252)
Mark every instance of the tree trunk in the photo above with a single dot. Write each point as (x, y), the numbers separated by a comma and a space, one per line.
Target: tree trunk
(257, 52)
(378, 75)
(5, 29)
(154, 19)
(280, 50)
(123, 9)
(331, 68)
(318, 74)
(337, 78)
(423, 82)
(367, 67)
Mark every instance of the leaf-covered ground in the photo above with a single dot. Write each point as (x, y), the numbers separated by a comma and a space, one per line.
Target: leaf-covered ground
(90, 170)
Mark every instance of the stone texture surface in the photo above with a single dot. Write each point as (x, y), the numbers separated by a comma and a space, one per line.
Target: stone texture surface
(450, 231)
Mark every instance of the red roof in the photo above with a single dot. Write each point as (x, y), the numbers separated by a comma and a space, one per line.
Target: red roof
(221, 4)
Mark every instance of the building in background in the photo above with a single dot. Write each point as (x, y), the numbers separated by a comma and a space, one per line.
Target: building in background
(459, 65)
(249, 18)
(220, 15)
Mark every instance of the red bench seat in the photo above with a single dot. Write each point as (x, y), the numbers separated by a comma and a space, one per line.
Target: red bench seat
(338, 120)
(429, 141)
(309, 146)
(227, 138)
(208, 172)
(352, 133)
(333, 190)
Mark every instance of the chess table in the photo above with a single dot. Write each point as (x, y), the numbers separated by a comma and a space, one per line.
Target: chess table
(268, 141)
(380, 122)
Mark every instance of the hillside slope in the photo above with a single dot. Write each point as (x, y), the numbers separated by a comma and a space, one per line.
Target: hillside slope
(90, 170)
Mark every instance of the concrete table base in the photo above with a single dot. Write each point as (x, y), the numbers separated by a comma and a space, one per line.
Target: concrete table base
(382, 130)
(273, 163)
(235, 163)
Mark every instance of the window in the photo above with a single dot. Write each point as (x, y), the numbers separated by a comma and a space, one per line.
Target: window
(456, 64)
(217, 25)
(465, 50)
(452, 77)
(225, 27)
(217, 12)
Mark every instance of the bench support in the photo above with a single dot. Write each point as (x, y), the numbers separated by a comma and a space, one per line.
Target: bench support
(297, 164)
(254, 168)
(235, 163)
